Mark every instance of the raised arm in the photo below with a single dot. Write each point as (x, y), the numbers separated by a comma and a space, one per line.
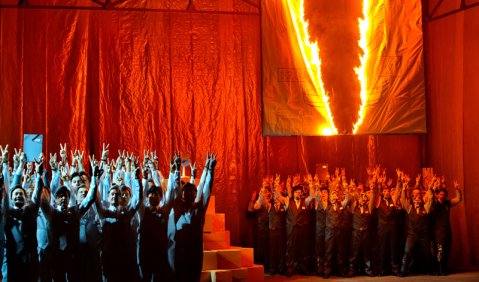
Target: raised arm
(138, 195)
(404, 201)
(92, 192)
(3, 201)
(458, 199)
(208, 187)
(277, 193)
(172, 188)
(37, 192)
(201, 184)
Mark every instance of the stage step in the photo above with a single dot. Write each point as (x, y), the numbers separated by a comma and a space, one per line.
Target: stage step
(253, 274)
(221, 261)
(214, 222)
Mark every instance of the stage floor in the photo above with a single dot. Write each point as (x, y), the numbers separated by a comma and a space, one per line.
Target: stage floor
(464, 276)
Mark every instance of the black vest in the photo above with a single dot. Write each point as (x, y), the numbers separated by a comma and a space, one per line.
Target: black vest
(418, 222)
(333, 217)
(297, 216)
(152, 231)
(387, 214)
(361, 221)
(277, 217)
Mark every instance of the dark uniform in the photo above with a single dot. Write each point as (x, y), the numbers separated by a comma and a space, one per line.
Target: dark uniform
(153, 244)
(441, 235)
(261, 236)
(21, 244)
(319, 238)
(296, 223)
(277, 238)
(361, 239)
(65, 238)
(332, 239)
(417, 235)
(185, 247)
(388, 235)
(88, 259)
(119, 248)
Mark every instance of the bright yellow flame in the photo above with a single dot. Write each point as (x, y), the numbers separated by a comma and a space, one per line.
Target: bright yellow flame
(310, 53)
(364, 32)
(327, 131)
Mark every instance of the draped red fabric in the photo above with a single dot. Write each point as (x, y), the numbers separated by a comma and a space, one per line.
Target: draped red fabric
(158, 77)
(453, 136)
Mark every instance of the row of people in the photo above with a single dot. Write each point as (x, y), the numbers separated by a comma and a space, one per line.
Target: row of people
(130, 229)
(340, 220)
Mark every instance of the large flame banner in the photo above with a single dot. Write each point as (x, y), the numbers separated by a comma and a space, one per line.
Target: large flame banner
(342, 67)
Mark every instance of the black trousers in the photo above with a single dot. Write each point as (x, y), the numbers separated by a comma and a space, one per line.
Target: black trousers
(45, 263)
(261, 247)
(63, 266)
(319, 250)
(21, 267)
(334, 244)
(296, 246)
(442, 249)
(423, 244)
(360, 242)
(154, 265)
(88, 264)
(277, 250)
(388, 241)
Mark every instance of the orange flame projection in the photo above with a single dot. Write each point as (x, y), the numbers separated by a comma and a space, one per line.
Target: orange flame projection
(310, 54)
(364, 31)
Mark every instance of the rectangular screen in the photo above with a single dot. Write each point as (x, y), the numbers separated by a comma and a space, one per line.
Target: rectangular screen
(342, 67)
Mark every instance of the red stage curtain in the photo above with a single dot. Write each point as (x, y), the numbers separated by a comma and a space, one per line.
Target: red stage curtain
(451, 145)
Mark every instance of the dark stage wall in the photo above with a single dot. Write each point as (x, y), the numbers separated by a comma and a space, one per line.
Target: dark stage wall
(191, 81)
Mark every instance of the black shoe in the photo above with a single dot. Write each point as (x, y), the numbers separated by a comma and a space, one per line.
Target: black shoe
(273, 272)
(350, 273)
(289, 273)
(326, 276)
(369, 273)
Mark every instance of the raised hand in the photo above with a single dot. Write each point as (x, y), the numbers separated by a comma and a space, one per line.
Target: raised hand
(26, 176)
(4, 154)
(63, 152)
(16, 157)
(93, 162)
(456, 185)
(418, 179)
(64, 173)
(212, 164)
(104, 152)
(23, 158)
(193, 169)
(74, 157)
(39, 164)
(53, 161)
(399, 173)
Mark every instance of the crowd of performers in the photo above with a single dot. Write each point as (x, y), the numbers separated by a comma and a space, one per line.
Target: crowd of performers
(344, 228)
(125, 223)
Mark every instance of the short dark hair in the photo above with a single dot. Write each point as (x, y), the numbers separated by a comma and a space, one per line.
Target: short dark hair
(154, 189)
(62, 188)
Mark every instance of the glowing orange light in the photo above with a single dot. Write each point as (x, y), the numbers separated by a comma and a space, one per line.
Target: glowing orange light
(364, 32)
(327, 131)
(310, 54)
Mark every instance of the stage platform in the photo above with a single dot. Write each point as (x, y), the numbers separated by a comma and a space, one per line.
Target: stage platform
(464, 276)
